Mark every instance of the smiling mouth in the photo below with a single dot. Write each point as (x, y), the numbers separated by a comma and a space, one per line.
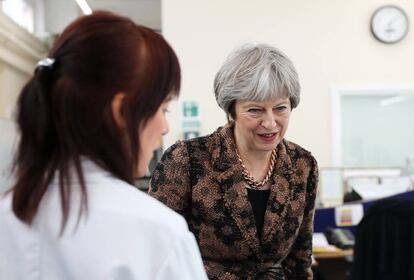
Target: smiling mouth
(267, 136)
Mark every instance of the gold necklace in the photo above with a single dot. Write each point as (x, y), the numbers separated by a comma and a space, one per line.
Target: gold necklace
(249, 178)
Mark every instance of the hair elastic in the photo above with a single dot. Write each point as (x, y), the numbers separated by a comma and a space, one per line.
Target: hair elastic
(46, 62)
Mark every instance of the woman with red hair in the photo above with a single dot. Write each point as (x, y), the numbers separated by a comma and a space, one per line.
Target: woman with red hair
(89, 120)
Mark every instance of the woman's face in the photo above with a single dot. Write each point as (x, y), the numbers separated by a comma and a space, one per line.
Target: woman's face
(150, 138)
(261, 125)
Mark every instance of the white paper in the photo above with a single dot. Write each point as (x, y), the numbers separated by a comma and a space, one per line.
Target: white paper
(319, 240)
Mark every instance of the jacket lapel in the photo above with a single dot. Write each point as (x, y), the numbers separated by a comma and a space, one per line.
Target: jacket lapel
(231, 182)
(280, 193)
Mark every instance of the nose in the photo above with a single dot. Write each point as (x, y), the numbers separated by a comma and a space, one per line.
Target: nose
(269, 121)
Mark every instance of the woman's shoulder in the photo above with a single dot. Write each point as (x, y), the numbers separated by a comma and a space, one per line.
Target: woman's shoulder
(201, 143)
(115, 199)
(146, 207)
(158, 215)
(298, 151)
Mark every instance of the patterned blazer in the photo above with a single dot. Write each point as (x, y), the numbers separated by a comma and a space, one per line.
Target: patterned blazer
(202, 180)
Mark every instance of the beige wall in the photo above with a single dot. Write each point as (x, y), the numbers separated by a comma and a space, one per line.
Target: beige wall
(329, 42)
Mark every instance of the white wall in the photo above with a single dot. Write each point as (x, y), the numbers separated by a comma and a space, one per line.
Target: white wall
(58, 14)
(19, 52)
(11, 82)
(329, 42)
(145, 12)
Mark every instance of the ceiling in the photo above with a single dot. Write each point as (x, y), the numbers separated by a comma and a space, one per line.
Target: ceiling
(59, 13)
(145, 12)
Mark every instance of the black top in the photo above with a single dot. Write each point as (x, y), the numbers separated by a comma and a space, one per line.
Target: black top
(258, 199)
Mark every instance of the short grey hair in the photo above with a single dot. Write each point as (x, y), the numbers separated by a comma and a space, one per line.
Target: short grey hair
(257, 72)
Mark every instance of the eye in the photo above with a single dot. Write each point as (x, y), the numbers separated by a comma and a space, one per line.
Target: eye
(254, 110)
(281, 108)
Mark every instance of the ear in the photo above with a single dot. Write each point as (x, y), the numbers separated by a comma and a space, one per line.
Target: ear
(116, 106)
(229, 118)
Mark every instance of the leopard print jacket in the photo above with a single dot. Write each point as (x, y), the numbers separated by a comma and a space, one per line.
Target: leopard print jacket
(202, 180)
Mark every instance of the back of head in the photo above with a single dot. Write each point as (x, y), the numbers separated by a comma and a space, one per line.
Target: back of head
(384, 246)
(256, 72)
(64, 111)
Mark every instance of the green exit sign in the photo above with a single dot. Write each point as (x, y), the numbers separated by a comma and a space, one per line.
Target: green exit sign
(190, 109)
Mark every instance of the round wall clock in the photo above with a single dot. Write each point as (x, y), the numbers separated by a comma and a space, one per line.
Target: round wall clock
(389, 24)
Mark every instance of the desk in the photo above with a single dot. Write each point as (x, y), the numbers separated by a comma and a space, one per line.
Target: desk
(334, 264)
(333, 254)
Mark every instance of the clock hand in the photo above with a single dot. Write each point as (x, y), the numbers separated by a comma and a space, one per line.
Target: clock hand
(389, 28)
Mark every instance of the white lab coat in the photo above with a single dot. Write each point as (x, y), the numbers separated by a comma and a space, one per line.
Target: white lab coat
(125, 235)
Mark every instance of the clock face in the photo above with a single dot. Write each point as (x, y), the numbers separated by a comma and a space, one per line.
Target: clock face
(389, 24)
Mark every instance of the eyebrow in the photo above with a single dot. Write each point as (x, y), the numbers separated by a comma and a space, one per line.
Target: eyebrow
(283, 103)
(253, 104)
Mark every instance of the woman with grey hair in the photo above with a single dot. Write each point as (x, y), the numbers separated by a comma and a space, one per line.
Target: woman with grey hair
(247, 194)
